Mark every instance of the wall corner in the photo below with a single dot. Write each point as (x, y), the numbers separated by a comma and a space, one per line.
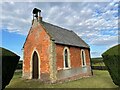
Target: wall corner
(52, 63)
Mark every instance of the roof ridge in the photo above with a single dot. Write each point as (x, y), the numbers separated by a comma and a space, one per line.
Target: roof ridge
(58, 26)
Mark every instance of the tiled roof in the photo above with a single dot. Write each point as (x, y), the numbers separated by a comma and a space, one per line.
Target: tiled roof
(64, 36)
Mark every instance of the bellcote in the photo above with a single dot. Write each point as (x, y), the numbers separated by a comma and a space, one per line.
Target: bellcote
(37, 14)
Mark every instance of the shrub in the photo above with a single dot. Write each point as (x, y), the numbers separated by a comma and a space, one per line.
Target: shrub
(9, 64)
(111, 58)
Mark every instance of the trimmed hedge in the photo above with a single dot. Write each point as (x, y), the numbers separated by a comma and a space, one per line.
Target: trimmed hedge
(9, 64)
(111, 58)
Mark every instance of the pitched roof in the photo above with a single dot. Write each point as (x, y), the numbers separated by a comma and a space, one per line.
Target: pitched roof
(64, 36)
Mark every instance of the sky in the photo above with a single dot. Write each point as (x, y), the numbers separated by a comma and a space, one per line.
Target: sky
(95, 22)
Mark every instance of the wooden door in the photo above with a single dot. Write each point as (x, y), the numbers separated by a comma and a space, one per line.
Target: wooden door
(35, 73)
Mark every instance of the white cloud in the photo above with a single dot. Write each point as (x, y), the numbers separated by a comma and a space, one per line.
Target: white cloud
(105, 40)
(95, 22)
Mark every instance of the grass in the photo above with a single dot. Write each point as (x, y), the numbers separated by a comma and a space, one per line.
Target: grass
(100, 79)
(98, 64)
(97, 61)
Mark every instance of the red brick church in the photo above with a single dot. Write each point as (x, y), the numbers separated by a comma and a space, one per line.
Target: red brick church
(54, 54)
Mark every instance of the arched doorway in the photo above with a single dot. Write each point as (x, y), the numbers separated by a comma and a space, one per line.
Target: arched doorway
(35, 72)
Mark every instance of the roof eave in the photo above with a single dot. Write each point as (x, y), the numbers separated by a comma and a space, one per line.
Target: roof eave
(71, 45)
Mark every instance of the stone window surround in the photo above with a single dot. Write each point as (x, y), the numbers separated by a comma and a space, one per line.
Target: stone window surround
(69, 63)
(82, 50)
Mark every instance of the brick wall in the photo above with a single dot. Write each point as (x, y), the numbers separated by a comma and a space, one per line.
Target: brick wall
(37, 40)
(59, 57)
(76, 71)
(75, 56)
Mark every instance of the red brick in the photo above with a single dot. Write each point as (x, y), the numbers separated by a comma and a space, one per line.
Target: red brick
(75, 56)
(40, 40)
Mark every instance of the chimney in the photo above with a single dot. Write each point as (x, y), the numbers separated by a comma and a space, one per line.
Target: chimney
(37, 14)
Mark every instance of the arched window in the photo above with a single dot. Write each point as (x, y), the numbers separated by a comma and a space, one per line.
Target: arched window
(66, 57)
(83, 58)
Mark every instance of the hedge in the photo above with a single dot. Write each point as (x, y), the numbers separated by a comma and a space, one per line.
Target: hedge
(111, 58)
(9, 64)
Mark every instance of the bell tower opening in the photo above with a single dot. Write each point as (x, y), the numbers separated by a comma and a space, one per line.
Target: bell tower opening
(37, 14)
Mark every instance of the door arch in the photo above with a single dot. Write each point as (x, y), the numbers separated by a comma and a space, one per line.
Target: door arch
(35, 63)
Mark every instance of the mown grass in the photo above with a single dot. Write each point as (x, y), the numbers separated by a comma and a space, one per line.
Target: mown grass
(97, 61)
(98, 64)
(100, 79)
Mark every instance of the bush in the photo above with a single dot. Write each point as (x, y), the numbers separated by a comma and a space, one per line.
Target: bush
(9, 64)
(111, 58)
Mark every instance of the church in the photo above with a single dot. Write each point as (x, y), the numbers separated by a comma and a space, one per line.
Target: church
(53, 54)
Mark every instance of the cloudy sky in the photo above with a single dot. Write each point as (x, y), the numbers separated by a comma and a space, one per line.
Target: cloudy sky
(95, 22)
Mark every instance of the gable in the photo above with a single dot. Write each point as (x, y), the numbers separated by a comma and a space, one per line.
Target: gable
(60, 35)
(36, 34)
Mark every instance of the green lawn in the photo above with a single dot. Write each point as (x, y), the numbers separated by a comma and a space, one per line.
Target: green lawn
(100, 79)
(98, 64)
